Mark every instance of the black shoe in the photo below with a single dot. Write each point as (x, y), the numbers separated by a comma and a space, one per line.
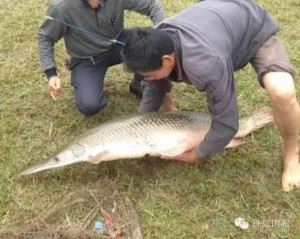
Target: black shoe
(136, 90)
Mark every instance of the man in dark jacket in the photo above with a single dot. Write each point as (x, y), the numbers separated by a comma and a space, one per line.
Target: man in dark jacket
(90, 56)
(203, 46)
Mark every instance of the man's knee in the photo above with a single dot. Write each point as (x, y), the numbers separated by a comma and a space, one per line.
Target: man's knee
(280, 87)
(283, 95)
(92, 108)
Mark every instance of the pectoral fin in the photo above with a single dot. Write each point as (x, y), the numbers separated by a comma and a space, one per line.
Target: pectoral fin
(95, 159)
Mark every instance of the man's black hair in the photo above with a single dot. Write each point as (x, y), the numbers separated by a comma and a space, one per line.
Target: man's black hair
(144, 49)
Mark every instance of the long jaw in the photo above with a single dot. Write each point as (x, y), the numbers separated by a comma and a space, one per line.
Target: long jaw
(73, 154)
(52, 163)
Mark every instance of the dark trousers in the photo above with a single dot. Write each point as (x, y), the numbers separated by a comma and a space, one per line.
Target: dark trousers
(87, 78)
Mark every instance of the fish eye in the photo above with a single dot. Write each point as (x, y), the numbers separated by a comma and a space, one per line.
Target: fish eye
(56, 158)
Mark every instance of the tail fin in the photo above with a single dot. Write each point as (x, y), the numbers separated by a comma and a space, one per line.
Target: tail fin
(254, 122)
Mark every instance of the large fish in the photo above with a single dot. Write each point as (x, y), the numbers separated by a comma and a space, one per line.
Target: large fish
(154, 134)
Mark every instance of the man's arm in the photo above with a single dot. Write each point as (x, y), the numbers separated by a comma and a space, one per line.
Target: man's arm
(222, 105)
(49, 33)
(153, 94)
(151, 8)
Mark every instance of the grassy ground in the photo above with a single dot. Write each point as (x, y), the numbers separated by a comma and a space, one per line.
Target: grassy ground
(173, 200)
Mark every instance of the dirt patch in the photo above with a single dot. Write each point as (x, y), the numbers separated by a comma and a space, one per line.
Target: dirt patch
(76, 215)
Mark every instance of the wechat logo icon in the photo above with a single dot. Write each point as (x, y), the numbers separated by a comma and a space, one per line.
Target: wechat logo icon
(241, 223)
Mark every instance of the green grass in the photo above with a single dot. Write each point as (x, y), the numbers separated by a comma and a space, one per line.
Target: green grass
(173, 200)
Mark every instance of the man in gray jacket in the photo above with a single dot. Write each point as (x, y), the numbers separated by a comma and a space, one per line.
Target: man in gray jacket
(203, 46)
(90, 56)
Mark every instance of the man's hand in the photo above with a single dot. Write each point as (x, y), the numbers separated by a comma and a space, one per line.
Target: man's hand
(187, 156)
(54, 87)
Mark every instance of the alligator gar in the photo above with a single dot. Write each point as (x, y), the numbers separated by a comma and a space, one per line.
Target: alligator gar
(153, 134)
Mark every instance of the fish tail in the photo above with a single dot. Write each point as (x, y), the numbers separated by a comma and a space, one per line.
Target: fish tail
(255, 121)
(261, 118)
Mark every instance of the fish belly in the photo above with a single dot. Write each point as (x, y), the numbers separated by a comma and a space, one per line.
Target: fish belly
(152, 144)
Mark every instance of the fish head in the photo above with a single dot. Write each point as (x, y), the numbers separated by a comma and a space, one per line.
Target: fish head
(73, 154)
